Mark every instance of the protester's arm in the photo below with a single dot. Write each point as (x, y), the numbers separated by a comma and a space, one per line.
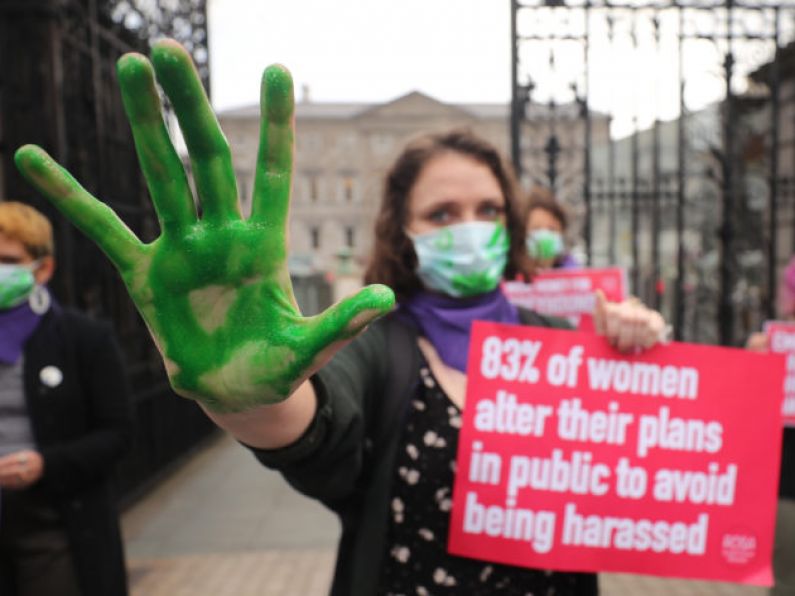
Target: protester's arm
(271, 426)
(327, 461)
(214, 289)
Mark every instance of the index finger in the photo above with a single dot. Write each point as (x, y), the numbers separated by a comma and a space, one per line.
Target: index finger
(94, 218)
(600, 312)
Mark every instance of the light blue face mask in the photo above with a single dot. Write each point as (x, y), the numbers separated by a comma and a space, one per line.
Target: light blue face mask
(544, 244)
(16, 284)
(464, 259)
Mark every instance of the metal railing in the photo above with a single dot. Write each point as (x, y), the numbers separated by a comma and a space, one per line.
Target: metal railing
(58, 89)
(657, 188)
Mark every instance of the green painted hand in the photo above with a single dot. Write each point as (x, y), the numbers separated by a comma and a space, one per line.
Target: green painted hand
(214, 291)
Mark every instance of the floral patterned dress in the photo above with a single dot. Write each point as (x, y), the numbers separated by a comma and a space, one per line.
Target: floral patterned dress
(416, 562)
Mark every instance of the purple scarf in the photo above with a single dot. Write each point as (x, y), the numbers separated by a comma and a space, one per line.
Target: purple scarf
(447, 321)
(16, 326)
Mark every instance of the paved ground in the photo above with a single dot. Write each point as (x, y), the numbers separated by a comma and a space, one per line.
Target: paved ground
(223, 525)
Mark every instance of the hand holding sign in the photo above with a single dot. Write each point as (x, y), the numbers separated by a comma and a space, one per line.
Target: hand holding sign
(629, 324)
(592, 299)
(643, 463)
(757, 342)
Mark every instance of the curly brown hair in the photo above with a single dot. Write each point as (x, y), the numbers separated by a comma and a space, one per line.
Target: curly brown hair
(394, 262)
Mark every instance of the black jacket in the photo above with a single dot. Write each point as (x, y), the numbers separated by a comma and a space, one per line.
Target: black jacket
(81, 427)
(787, 485)
(346, 457)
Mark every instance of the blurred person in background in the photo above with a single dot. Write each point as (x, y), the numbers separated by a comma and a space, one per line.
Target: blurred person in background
(547, 223)
(784, 549)
(64, 424)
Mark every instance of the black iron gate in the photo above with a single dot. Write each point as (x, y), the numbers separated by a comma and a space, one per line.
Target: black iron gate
(58, 89)
(670, 128)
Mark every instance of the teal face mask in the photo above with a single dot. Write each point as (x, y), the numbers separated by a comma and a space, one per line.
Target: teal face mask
(544, 244)
(16, 284)
(463, 259)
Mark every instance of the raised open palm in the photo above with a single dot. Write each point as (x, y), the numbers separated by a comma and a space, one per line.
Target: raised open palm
(214, 291)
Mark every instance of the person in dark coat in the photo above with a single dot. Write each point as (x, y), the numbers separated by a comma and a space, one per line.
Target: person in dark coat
(784, 546)
(547, 223)
(64, 423)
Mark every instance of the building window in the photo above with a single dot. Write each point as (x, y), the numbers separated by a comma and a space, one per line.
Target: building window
(347, 187)
(314, 233)
(349, 236)
(346, 142)
(312, 142)
(313, 188)
(381, 143)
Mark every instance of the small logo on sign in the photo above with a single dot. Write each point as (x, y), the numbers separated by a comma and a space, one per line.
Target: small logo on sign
(738, 548)
(51, 376)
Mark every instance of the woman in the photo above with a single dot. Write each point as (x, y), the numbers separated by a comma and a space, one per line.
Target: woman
(784, 547)
(64, 426)
(547, 223)
(335, 409)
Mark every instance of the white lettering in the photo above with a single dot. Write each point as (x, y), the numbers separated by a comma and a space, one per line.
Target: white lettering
(505, 415)
(535, 527)
(708, 488)
(782, 342)
(788, 408)
(484, 467)
(557, 474)
(578, 424)
(642, 378)
(598, 531)
(678, 434)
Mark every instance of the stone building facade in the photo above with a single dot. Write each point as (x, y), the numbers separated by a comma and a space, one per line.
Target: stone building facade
(342, 153)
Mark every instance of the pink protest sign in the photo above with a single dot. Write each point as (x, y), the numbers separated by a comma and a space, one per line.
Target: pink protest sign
(781, 339)
(568, 293)
(574, 457)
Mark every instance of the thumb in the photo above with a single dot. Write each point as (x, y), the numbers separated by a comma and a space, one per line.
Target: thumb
(351, 315)
(600, 312)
